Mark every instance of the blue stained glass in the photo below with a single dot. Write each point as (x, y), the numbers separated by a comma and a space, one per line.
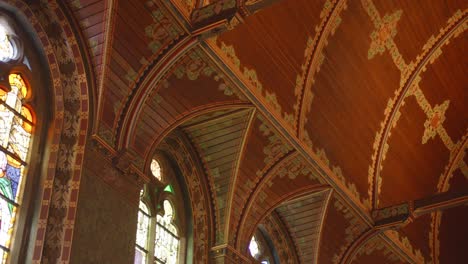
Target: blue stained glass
(13, 174)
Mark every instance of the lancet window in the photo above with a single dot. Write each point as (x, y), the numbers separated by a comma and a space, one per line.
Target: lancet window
(16, 130)
(158, 236)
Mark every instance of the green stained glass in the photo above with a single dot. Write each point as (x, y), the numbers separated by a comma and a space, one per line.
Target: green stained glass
(169, 189)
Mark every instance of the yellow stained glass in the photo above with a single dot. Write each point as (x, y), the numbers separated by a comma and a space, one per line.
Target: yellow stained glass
(17, 81)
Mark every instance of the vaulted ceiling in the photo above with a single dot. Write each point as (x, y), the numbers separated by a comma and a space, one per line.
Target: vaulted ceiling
(345, 113)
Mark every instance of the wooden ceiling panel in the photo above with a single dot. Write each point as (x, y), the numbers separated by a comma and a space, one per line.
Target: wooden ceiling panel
(411, 167)
(419, 21)
(445, 80)
(142, 30)
(219, 142)
(177, 97)
(289, 179)
(376, 250)
(453, 235)
(90, 15)
(275, 49)
(303, 218)
(350, 94)
(263, 149)
(341, 227)
(417, 233)
(459, 181)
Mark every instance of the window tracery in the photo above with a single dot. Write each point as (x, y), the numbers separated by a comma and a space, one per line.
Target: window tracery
(156, 169)
(158, 235)
(10, 46)
(6, 47)
(167, 239)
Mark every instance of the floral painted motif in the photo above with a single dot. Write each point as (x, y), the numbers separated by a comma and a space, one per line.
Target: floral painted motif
(161, 30)
(196, 64)
(377, 244)
(384, 34)
(276, 146)
(435, 119)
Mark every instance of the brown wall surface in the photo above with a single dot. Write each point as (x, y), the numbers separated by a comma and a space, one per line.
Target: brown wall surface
(106, 220)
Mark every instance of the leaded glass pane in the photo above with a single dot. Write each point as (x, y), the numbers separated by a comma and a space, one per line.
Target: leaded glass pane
(143, 227)
(140, 256)
(166, 240)
(156, 169)
(15, 134)
(7, 51)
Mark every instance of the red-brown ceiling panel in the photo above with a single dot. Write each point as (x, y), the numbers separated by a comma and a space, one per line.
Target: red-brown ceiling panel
(272, 43)
(417, 233)
(411, 169)
(341, 227)
(142, 30)
(350, 94)
(419, 21)
(453, 235)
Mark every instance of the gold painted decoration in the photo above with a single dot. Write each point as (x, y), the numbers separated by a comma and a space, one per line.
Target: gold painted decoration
(382, 40)
(383, 35)
(435, 118)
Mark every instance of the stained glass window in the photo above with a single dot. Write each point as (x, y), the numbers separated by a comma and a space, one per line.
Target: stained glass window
(169, 189)
(141, 252)
(158, 238)
(167, 240)
(16, 126)
(156, 169)
(8, 49)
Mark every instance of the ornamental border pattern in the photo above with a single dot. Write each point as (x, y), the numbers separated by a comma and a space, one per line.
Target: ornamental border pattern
(313, 59)
(61, 186)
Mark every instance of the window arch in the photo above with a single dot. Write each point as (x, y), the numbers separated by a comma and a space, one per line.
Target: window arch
(17, 134)
(161, 226)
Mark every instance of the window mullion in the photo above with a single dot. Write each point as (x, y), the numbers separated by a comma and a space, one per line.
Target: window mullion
(151, 238)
